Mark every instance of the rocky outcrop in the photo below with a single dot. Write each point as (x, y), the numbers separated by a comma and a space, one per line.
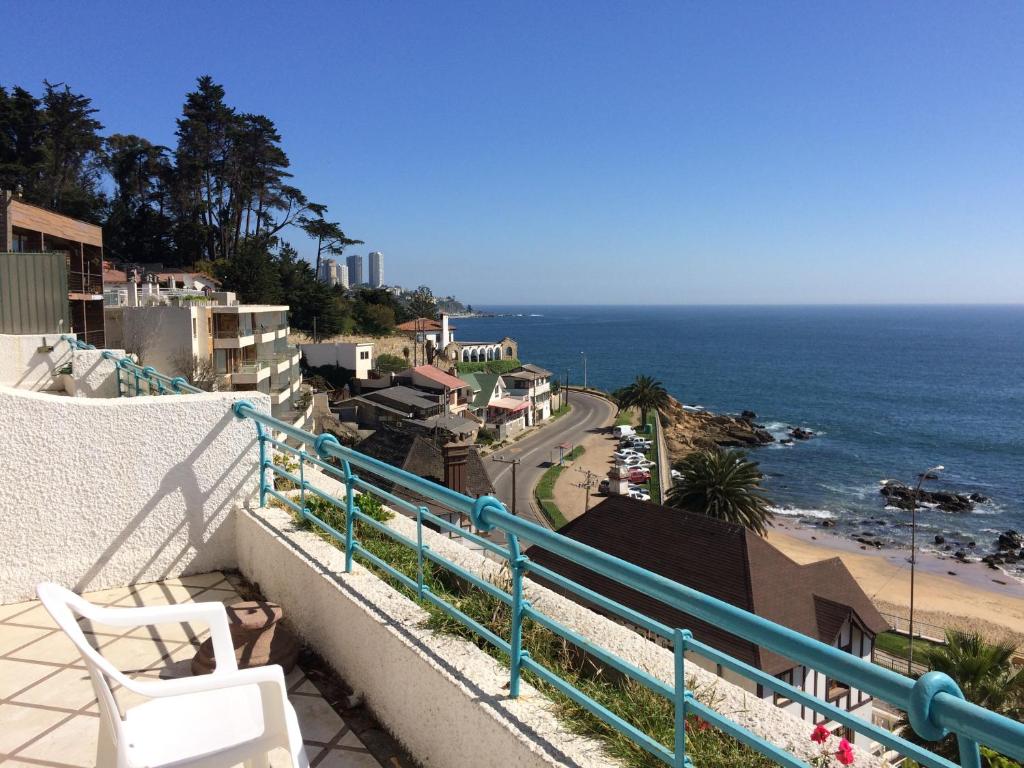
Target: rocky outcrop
(899, 495)
(687, 431)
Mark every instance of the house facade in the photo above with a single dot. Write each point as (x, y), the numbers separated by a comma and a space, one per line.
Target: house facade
(352, 356)
(534, 383)
(821, 599)
(29, 229)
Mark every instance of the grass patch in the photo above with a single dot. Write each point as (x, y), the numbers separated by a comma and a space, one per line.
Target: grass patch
(631, 701)
(624, 418)
(899, 645)
(489, 366)
(560, 411)
(545, 490)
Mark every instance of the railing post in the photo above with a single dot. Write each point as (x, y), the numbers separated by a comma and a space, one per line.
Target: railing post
(419, 550)
(680, 760)
(302, 480)
(517, 563)
(350, 509)
(262, 437)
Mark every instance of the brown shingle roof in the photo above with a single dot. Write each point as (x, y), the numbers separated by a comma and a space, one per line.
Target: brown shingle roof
(722, 560)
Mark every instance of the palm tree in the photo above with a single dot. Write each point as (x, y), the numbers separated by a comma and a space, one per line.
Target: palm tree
(984, 672)
(644, 393)
(724, 485)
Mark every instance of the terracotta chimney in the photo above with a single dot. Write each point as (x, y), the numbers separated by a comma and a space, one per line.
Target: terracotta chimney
(455, 466)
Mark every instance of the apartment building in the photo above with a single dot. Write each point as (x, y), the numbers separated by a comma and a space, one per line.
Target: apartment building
(376, 269)
(42, 237)
(213, 342)
(533, 382)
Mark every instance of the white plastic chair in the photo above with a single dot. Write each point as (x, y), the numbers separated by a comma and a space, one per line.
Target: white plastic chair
(227, 717)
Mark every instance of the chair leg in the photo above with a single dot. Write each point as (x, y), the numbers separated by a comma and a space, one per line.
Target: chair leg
(258, 761)
(106, 750)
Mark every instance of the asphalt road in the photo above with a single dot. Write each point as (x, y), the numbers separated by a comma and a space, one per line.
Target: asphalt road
(536, 453)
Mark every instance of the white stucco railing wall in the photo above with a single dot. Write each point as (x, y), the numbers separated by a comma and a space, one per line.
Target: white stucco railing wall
(92, 374)
(31, 361)
(105, 492)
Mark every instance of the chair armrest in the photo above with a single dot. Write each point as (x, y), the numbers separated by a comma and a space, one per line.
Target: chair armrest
(212, 614)
(271, 675)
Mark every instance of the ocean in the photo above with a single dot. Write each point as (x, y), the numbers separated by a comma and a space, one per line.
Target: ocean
(889, 391)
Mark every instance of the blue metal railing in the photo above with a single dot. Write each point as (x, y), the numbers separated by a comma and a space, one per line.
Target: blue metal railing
(134, 380)
(934, 703)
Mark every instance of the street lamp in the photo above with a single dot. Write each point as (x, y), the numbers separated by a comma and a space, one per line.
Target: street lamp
(913, 555)
(584, 356)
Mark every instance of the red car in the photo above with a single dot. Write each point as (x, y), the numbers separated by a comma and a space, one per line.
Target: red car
(638, 475)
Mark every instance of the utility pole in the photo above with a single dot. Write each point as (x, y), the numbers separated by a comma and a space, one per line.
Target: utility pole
(913, 556)
(566, 386)
(586, 485)
(514, 463)
(584, 356)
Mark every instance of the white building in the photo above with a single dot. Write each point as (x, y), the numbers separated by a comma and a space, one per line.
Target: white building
(222, 345)
(343, 274)
(376, 269)
(534, 382)
(357, 356)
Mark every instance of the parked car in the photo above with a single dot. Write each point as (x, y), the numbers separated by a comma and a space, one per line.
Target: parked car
(642, 444)
(603, 486)
(639, 495)
(623, 430)
(639, 475)
(625, 453)
(637, 461)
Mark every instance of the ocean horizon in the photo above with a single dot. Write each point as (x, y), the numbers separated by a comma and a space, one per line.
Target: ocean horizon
(889, 390)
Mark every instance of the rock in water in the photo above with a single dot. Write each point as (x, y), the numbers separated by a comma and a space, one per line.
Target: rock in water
(687, 431)
(902, 496)
(1009, 541)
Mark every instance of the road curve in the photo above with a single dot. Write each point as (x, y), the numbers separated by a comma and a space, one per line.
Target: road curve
(589, 414)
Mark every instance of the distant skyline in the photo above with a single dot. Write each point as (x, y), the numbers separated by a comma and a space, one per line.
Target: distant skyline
(662, 153)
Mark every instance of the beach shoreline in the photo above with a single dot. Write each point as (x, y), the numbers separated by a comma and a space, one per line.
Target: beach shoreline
(971, 598)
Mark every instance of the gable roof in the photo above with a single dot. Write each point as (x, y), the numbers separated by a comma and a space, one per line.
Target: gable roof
(418, 454)
(404, 395)
(721, 560)
(482, 385)
(528, 372)
(436, 375)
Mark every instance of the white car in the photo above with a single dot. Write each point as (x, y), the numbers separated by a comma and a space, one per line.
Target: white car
(639, 495)
(637, 461)
(627, 453)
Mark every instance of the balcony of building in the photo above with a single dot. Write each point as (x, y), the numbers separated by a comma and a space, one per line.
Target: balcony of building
(48, 713)
(250, 372)
(425, 601)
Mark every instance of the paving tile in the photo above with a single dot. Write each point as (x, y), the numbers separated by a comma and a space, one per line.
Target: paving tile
(317, 720)
(68, 689)
(132, 654)
(11, 609)
(212, 579)
(36, 616)
(72, 743)
(172, 634)
(19, 724)
(15, 675)
(12, 637)
(347, 758)
(160, 594)
(113, 595)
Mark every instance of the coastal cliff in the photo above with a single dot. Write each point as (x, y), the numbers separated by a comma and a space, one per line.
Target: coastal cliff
(686, 431)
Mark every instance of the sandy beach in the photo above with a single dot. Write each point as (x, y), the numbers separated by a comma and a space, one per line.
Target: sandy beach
(970, 598)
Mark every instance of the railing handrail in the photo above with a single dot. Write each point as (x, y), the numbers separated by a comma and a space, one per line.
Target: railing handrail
(933, 702)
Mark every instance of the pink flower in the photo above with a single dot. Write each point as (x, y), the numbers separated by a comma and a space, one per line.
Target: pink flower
(845, 753)
(821, 734)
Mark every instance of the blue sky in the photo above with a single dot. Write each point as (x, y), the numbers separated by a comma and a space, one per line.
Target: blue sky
(783, 152)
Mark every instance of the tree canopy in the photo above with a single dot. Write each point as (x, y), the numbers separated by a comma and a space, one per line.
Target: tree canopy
(722, 484)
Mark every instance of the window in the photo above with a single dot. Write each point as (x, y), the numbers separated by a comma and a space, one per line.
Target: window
(209, 325)
(195, 329)
(781, 700)
(364, 355)
(835, 689)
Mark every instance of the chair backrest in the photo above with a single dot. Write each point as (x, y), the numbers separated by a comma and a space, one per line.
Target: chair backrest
(63, 605)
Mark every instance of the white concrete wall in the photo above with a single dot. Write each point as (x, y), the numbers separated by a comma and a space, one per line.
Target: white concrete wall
(445, 699)
(100, 493)
(93, 375)
(25, 363)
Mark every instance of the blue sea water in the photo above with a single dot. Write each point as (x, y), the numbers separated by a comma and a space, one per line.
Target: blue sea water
(889, 390)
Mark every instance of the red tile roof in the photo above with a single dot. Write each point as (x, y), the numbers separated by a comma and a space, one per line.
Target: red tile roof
(437, 375)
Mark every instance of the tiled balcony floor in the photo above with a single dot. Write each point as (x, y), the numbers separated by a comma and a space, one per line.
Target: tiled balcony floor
(48, 712)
